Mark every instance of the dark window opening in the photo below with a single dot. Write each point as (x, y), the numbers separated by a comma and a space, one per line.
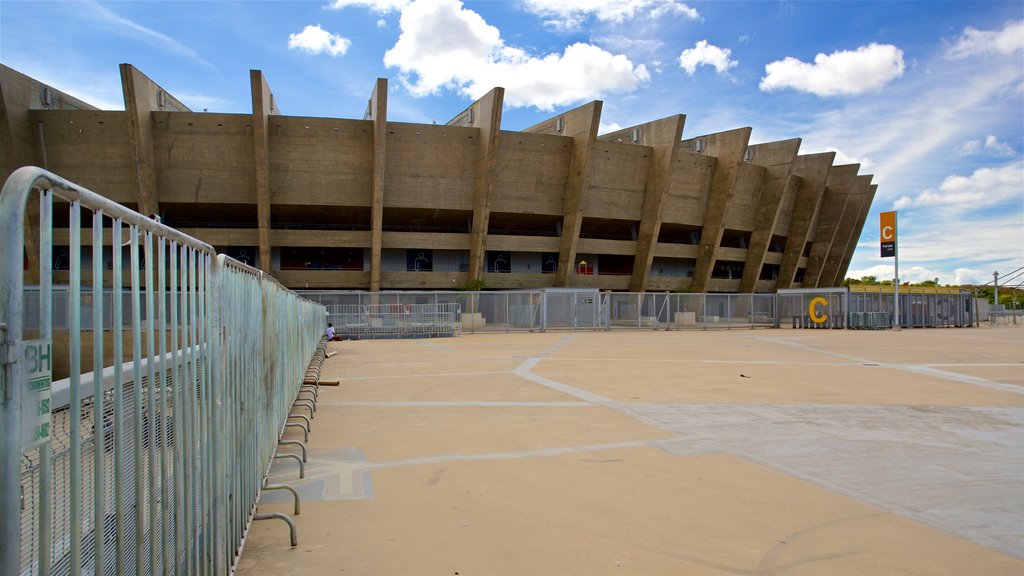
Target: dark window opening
(735, 239)
(727, 269)
(427, 220)
(679, 234)
(313, 258)
(499, 261)
(549, 262)
(506, 223)
(196, 215)
(807, 249)
(615, 265)
(320, 217)
(777, 244)
(799, 278)
(244, 254)
(609, 229)
(769, 272)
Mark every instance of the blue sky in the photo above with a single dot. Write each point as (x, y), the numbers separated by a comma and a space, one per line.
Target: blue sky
(927, 96)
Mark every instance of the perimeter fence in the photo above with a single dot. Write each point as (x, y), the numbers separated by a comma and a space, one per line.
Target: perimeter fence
(368, 314)
(150, 456)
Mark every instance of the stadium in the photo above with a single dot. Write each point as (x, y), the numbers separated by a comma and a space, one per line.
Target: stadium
(372, 204)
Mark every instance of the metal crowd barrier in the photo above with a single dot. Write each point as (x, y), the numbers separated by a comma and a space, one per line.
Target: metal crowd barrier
(395, 320)
(155, 462)
(352, 312)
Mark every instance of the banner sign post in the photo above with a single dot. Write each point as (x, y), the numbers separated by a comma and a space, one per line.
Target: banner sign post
(887, 234)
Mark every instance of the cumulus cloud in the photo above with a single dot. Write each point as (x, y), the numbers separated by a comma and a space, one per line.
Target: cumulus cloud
(378, 6)
(704, 54)
(315, 40)
(570, 14)
(843, 72)
(985, 187)
(974, 42)
(991, 146)
(444, 46)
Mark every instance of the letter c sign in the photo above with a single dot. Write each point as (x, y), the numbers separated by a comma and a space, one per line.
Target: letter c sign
(812, 311)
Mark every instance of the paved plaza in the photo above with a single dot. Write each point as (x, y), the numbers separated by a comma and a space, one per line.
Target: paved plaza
(650, 452)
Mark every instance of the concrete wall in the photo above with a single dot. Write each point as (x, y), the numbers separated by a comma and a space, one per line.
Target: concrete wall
(687, 197)
(617, 181)
(204, 157)
(430, 166)
(320, 161)
(531, 173)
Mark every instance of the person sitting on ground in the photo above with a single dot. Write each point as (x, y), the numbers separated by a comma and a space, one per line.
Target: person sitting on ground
(330, 332)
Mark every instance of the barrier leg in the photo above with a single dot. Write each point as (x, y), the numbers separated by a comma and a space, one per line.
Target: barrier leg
(291, 525)
(285, 487)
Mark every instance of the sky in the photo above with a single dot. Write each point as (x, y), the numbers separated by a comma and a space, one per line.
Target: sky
(926, 96)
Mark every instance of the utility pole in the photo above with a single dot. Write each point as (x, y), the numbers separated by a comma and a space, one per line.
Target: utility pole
(995, 282)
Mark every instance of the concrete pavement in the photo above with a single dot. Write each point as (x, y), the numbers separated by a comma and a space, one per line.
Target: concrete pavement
(739, 452)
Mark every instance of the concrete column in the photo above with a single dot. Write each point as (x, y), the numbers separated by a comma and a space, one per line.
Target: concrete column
(777, 158)
(581, 125)
(141, 97)
(851, 246)
(377, 112)
(813, 171)
(485, 114)
(729, 149)
(663, 137)
(262, 108)
(837, 191)
(844, 230)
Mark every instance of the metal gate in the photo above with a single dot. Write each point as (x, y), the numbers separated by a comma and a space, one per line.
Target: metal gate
(154, 460)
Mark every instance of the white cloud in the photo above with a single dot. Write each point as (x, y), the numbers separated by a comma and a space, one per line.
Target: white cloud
(985, 187)
(444, 46)
(315, 40)
(974, 42)
(149, 35)
(992, 146)
(843, 72)
(570, 14)
(608, 128)
(378, 6)
(704, 54)
(382, 23)
(998, 148)
(844, 158)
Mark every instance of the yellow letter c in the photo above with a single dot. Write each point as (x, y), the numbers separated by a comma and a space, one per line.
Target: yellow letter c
(813, 314)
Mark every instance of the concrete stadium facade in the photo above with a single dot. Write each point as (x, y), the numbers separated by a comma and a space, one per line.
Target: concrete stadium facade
(371, 204)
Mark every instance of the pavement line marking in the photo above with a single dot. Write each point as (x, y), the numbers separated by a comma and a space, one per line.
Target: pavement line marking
(924, 369)
(524, 372)
(398, 376)
(517, 454)
(947, 375)
(458, 404)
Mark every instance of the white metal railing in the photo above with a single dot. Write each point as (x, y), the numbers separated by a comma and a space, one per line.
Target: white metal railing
(395, 320)
(558, 309)
(155, 462)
